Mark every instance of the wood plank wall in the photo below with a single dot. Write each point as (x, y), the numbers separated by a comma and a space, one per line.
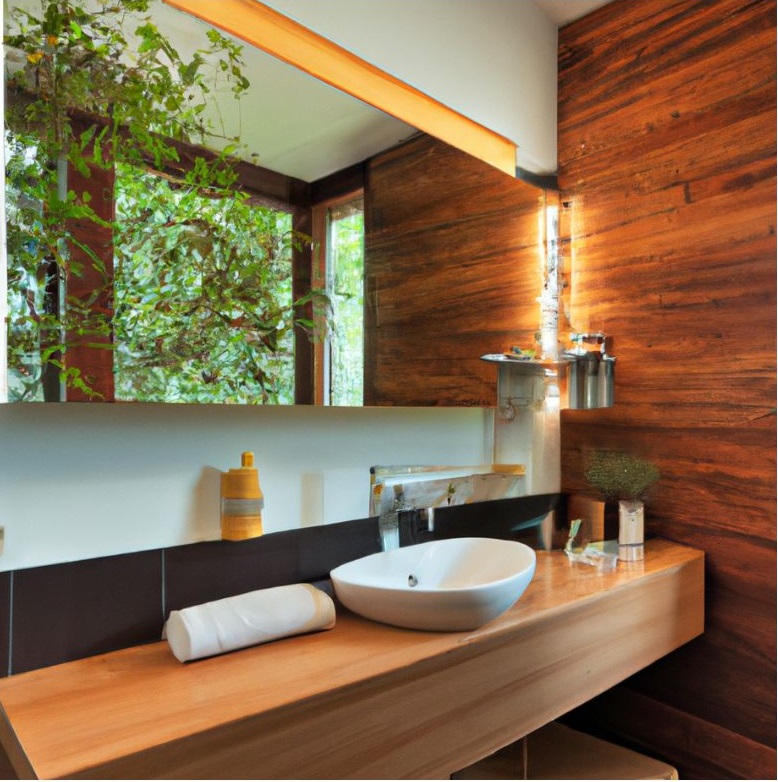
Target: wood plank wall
(453, 271)
(667, 142)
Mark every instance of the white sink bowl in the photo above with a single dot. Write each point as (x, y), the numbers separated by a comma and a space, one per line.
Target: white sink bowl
(455, 584)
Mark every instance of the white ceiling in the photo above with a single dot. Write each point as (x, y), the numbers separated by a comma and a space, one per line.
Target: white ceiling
(307, 129)
(561, 12)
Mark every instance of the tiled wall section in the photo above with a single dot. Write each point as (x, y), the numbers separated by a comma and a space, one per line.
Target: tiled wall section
(56, 613)
(62, 612)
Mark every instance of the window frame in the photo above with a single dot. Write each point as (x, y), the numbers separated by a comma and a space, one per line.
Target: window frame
(321, 240)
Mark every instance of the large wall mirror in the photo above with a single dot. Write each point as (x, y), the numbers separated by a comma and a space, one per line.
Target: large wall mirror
(365, 260)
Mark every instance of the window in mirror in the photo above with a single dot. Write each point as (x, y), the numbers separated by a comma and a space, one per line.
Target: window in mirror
(186, 296)
(341, 357)
(202, 295)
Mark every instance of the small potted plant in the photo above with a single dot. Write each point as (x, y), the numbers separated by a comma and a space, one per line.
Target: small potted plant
(624, 478)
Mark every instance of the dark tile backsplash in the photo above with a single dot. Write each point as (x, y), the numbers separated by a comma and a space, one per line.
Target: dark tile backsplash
(515, 518)
(324, 548)
(63, 612)
(201, 572)
(57, 613)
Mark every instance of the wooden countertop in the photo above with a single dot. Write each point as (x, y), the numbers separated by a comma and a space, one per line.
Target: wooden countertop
(363, 700)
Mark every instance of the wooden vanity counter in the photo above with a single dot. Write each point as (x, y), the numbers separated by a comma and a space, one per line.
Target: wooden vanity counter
(363, 700)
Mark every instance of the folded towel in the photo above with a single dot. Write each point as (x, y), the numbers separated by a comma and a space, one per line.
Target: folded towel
(245, 620)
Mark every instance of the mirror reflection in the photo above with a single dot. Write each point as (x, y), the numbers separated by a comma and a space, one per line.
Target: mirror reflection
(162, 246)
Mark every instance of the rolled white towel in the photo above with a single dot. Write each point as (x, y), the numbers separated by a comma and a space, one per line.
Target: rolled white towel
(245, 620)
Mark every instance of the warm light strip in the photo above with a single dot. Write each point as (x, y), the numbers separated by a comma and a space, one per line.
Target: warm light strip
(278, 35)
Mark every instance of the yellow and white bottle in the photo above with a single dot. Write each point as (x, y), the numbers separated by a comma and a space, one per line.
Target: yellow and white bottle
(241, 501)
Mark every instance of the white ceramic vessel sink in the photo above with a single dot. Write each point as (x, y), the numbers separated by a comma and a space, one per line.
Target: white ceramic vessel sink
(455, 584)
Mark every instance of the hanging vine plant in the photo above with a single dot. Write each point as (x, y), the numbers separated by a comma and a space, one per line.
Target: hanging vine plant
(97, 87)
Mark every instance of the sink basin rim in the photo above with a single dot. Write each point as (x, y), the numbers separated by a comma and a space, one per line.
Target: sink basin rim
(386, 598)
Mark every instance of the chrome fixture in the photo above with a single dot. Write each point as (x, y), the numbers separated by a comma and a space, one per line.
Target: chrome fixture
(405, 525)
(389, 519)
(583, 377)
(405, 497)
(522, 382)
(590, 371)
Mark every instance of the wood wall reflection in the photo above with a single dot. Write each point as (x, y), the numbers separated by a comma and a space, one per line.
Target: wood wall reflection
(453, 271)
(667, 134)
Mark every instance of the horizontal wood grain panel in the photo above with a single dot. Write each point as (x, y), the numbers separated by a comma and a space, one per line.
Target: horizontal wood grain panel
(717, 479)
(667, 144)
(453, 269)
(680, 682)
(658, 55)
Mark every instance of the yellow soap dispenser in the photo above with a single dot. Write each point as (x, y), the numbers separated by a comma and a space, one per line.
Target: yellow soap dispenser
(241, 501)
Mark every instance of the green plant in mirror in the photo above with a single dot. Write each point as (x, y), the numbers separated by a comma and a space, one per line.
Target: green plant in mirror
(96, 87)
(201, 314)
(620, 476)
(346, 288)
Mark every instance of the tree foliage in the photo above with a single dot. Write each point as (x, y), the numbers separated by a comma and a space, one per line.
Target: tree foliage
(346, 287)
(201, 314)
(202, 276)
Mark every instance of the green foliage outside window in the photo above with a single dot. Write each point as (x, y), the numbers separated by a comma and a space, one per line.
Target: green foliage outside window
(346, 288)
(201, 315)
(27, 271)
(190, 254)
